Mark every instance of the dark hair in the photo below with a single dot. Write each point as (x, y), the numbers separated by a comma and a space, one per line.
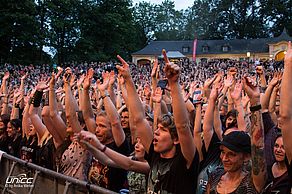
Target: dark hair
(125, 109)
(5, 118)
(16, 123)
(231, 113)
(168, 122)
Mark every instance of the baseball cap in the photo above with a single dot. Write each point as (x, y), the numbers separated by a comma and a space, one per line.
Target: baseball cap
(237, 141)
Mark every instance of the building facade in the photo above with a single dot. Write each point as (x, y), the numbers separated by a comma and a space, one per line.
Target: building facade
(239, 49)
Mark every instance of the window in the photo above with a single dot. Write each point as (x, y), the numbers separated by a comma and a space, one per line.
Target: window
(205, 49)
(225, 48)
(185, 49)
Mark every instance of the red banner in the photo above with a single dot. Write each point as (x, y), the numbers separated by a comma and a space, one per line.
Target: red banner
(194, 49)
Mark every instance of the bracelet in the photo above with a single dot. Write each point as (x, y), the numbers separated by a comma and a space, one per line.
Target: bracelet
(103, 149)
(16, 105)
(106, 95)
(31, 100)
(46, 99)
(255, 108)
(37, 98)
(263, 89)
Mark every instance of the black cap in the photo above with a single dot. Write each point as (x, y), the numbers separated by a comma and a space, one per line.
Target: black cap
(237, 141)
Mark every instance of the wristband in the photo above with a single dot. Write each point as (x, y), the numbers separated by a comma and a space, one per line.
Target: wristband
(30, 100)
(106, 95)
(255, 108)
(103, 149)
(46, 99)
(263, 89)
(37, 98)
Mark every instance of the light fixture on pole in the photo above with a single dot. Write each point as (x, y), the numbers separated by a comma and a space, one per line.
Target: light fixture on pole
(248, 56)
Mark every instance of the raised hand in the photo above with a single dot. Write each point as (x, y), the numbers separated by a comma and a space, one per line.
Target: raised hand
(86, 138)
(72, 80)
(52, 80)
(6, 75)
(121, 79)
(288, 56)
(210, 81)
(42, 85)
(124, 70)
(147, 91)
(166, 60)
(251, 89)
(154, 69)
(228, 81)
(24, 76)
(232, 71)
(103, 86)
(275, 79)
(259, 70)
(157, 95)
(236, 93)
(216, 89)
(67, 75)
(172, 72)
(112, 78)
(60, 71)
(80, 80)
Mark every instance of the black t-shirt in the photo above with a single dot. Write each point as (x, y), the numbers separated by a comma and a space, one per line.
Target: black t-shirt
(108, 177)
(45, 155)
(210, 163)
(170, 175)
(277, 185)
(28, 149)
(4, 143)
(14, 146)
(129, 139)
(289, 169)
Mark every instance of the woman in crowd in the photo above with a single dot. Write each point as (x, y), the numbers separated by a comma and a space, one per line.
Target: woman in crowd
(14, 132)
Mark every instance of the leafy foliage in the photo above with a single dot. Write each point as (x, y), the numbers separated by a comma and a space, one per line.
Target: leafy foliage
(97, 30)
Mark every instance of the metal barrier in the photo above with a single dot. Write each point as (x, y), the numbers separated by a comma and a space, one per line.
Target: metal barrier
(21, 177)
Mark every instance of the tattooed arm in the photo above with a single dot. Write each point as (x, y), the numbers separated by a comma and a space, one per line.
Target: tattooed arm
(259, 170)
(286, 102)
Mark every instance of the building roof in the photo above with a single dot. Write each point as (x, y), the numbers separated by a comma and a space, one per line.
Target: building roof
(173, 54)
(236, 46)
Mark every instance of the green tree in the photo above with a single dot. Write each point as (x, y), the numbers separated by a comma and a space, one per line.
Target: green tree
(19, 32)
(277, 15)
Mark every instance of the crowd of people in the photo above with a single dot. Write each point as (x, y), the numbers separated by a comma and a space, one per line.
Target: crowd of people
(217, 126)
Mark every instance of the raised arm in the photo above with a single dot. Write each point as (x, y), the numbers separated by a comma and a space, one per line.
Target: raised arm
(266, 97)
(208, 122)
(156, 98)
(181, 119)
(286, 103)
(111, 111)
(112, 157)
(4, 109)
(272, 104)
(197, 129)
(60, 127)
(259, 169)
(86, 104)
(112, 79)
(143, 128)
(236, 97)
(70, 104)
(34, 109)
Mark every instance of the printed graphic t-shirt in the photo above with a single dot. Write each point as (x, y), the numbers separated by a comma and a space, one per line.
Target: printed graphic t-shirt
(170, 175)
(210, 163)
(108, 177)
